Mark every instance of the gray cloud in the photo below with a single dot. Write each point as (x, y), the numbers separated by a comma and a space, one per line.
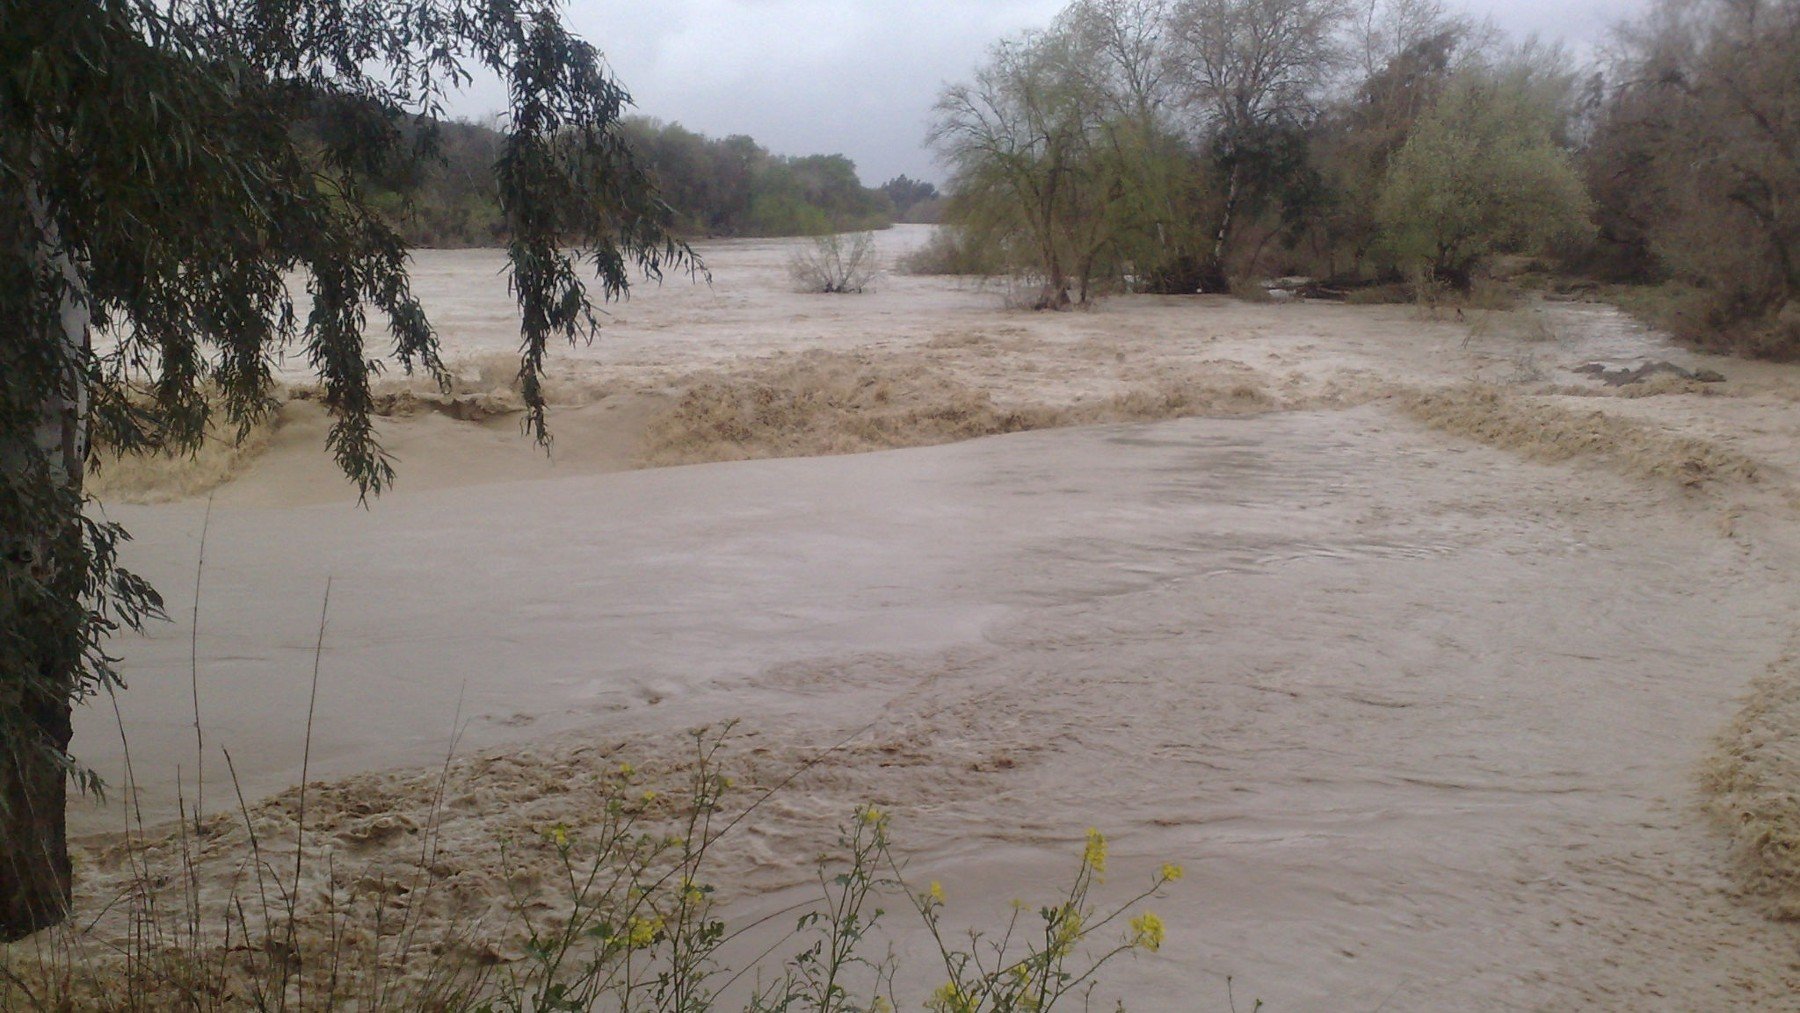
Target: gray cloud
(859, 76)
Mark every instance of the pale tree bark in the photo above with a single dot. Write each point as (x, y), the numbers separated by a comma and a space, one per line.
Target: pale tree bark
(35, 879)
(1221, 239)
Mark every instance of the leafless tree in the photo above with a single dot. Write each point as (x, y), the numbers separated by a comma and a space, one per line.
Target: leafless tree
(836, 264)
(1380, 33)
(1125, 48)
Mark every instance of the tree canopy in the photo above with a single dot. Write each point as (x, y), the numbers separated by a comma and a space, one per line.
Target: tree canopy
(730, 187)
(152, 192)
(1695, 159)
(1192, 145)
(1023, 143)
(736, 187)
(1481, 173)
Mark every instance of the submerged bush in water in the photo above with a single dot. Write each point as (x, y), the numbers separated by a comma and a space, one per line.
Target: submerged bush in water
(836, 263)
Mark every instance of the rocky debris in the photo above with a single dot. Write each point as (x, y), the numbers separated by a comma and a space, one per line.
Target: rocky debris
(1623, 376)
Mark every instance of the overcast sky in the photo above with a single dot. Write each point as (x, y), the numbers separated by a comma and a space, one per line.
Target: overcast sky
(858, 77)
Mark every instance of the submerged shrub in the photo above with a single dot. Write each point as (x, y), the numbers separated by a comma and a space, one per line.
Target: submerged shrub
(836, 264)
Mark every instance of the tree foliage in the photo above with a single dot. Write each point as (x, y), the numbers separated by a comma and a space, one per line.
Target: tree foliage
(1029, 178)
(1696, 160)
(1191, 142)
(735, 187)
(1405, 52)
(1481, 173)
(1126, 59)
(729, 187)
(151, 188)
(913, 200)
(1067, 161)
(1253, 73)
(1131, 141)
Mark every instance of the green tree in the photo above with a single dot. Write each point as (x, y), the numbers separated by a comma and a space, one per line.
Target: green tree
(152, 192)
(1029, 183)
(1405, 53)
(906, 193)
(1481, 173)
(1123, 55)
(735, 187)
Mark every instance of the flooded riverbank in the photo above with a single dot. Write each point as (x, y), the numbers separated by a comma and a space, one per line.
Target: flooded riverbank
(1423, 716)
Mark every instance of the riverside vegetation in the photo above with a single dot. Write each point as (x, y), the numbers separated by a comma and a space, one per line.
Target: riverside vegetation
(611, 909)
(1181, 145)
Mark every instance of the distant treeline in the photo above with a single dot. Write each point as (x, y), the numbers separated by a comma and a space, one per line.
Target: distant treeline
(714, 187)
(735, 187)
(1183, 145)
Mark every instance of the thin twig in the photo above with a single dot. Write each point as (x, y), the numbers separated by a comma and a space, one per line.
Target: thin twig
(255, 847)
(305, 762)
(194, 675)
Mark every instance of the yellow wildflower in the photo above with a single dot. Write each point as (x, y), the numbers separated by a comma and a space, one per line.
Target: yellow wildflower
(937, 891)
(1147, 932)
(873, 816)
(649, 795)
(950, 998)
(642, 932)
(558, 835)
(626, 770)
(1066, 931)
(1171, 872)
(1094, 855)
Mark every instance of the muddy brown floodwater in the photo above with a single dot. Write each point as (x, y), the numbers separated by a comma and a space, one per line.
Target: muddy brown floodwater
(1422, 716)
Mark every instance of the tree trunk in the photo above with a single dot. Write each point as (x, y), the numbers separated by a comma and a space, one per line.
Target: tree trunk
(1055, 293)
(35, 881)
(1217, 279)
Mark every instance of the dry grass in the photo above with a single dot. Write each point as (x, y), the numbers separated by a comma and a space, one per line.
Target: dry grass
(952, 387)
(820, 403)
(1755, 781)
(1486, 294)
(385, 912)
(1657, 386)
(1546, 431)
